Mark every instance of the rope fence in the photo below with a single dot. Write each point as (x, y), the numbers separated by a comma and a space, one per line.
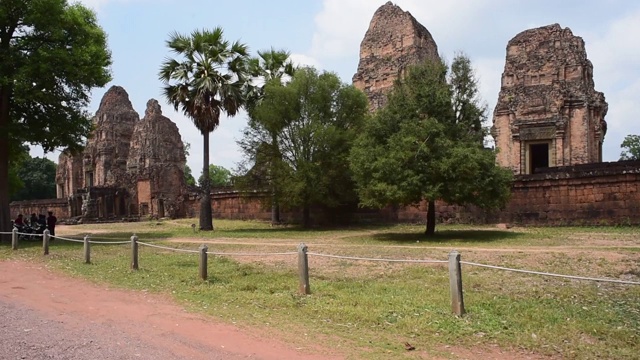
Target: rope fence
(454, 262)
(552, 274)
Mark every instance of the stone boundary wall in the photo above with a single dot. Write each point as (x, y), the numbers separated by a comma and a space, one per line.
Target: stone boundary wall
(60, 208)
(590, 194)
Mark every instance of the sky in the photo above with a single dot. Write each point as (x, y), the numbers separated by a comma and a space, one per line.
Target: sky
(327, 34)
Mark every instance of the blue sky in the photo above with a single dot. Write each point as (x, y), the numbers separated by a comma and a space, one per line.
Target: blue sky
(327, 34)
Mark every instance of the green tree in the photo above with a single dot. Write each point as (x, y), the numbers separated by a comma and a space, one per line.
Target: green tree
(38, 176)
(424, 145)
(51, 55)
(318, 118)
(18, 154)
(188, 176)
(268, 66)
(630, 148)
(218, 176)
(209, 77)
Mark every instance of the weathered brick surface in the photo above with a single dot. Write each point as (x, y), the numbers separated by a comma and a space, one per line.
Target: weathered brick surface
(394, 40)
(548, 96)
(60, 208)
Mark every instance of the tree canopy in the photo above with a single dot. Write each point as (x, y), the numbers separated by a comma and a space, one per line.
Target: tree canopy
(427, 144)
(210, 76)
(318, 117)
(269, 66)
(630, 148)
(51, 55)
(218, 176)
(38, 179)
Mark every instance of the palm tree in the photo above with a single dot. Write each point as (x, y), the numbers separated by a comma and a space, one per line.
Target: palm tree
(209, 77)
(270, 65)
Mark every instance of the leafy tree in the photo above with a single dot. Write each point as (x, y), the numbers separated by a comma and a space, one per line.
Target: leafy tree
(38, 176)
(631, 148)
(318, 118)
(209, 77)
(426, 145)
(51, 55)
(18, 154)
(218, 176)
(188, 176)
(272, 65)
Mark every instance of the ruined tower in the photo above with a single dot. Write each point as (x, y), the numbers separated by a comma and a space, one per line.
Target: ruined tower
(548, 112)
(129, 168)
(156, 164)
(394, 40)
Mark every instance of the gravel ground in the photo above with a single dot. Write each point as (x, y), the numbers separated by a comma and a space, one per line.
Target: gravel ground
(46, 315)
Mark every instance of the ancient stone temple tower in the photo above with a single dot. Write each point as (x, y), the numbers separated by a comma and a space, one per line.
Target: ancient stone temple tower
(394, 40)
(548, 112)
(129, 167)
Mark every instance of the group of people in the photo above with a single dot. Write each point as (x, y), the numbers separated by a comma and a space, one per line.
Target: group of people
(40, 221)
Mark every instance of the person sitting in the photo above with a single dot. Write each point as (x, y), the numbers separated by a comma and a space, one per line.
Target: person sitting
(33, 221)
(19, 222)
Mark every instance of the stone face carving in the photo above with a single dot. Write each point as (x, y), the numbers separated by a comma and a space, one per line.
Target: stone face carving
(130, 167)
(394, 40)
(548, 112)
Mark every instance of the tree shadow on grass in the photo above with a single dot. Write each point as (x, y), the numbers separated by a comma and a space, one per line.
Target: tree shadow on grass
(450, 236)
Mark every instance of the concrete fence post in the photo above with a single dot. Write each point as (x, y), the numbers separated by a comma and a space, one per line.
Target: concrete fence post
(45, 242)
(14, 239)
(303, 269)
(455, 282)
(202, 268)
(134, 252)
(87, 250)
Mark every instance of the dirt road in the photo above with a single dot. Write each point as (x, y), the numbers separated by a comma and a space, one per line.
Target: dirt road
(46, 315)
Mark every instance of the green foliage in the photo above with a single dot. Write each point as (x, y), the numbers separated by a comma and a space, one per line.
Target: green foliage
(427, 144)
(317, 118)
(631, 148)
(17, 155)
(51, 55)
(210, 76)
(38, 176)
(188, 176)
(218, 176)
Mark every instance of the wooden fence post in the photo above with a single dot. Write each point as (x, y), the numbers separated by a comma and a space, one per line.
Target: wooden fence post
(203, 261)
(45, 241)
(455, 282)
(134, 252)
(303, 269)
(87, 250)
(14, 239)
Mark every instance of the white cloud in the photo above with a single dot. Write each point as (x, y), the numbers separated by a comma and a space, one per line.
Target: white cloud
(305, 60)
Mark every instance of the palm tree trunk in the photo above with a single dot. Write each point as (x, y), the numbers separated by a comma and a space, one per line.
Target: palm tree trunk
(206, 218)
(431, 219)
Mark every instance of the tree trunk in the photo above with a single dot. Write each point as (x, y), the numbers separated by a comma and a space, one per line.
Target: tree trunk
(5, 211)
(275, 207)
(431, 218)
(306, 217)
(275, 211)
(206, 218)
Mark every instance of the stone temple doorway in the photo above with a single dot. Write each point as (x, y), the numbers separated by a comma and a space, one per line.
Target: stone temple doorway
(538, 156)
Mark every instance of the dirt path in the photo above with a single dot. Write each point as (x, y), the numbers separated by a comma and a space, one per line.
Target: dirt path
(46, 315)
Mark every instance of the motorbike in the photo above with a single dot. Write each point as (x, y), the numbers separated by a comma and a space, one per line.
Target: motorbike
(28, 233)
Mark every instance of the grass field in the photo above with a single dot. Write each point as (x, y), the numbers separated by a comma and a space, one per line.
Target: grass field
(369, 309)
